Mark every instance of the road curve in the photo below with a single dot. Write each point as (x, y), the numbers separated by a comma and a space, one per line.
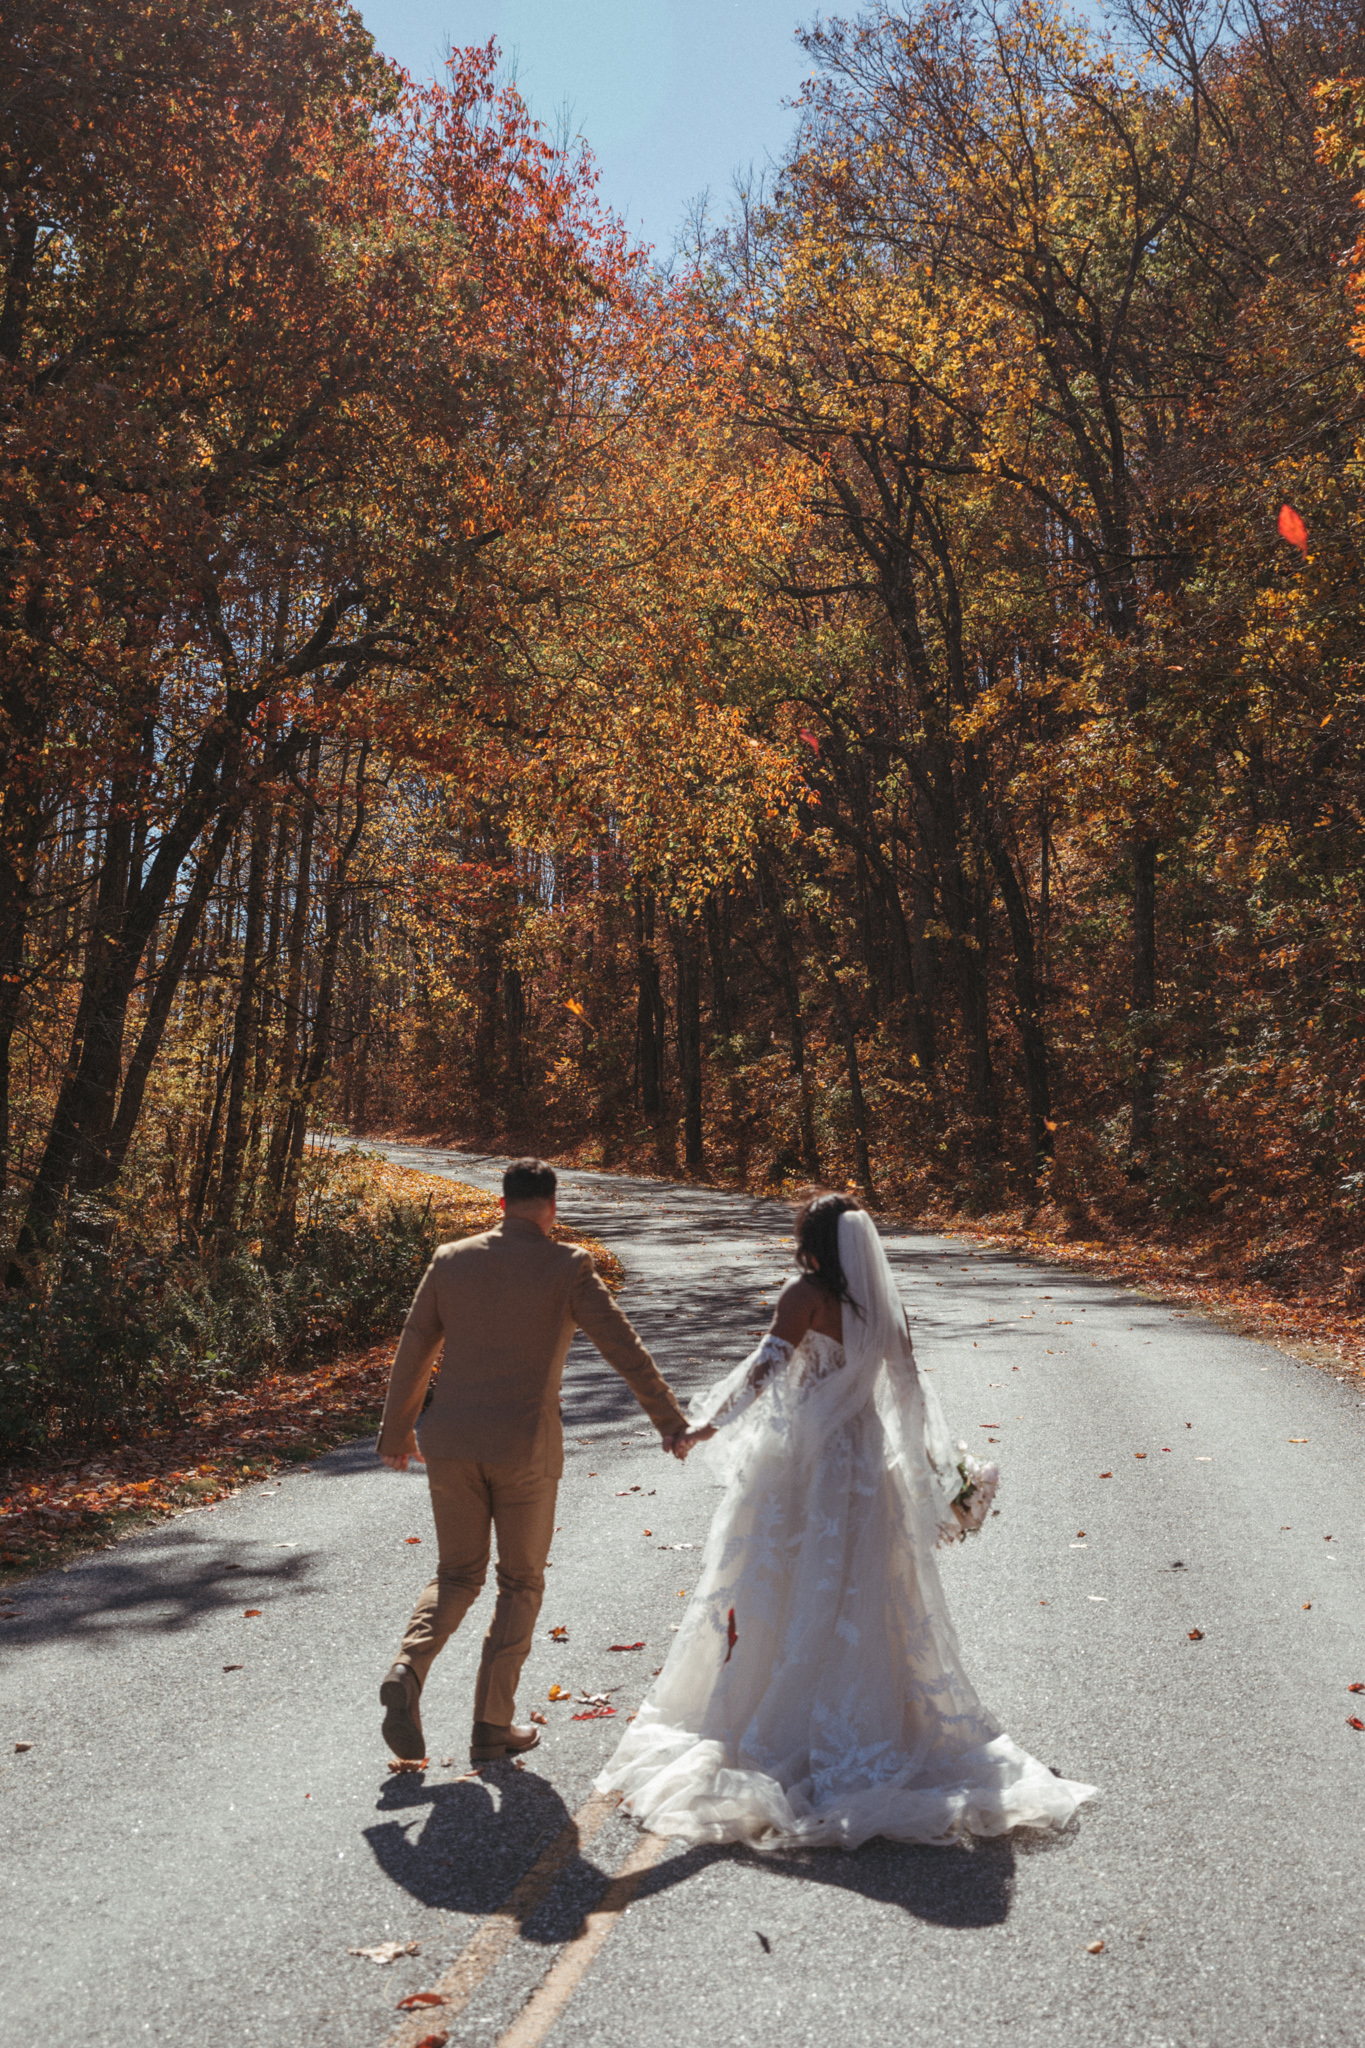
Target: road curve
(188, 1851)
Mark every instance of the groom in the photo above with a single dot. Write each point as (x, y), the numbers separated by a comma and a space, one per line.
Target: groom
(505, 1305)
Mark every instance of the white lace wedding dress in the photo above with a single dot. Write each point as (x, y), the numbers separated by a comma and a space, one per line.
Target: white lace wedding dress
(840, 1710)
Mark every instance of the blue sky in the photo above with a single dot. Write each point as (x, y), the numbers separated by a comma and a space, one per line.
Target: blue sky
(674, 96)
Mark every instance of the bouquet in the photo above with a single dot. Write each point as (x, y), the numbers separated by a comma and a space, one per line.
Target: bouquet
(972, 1503)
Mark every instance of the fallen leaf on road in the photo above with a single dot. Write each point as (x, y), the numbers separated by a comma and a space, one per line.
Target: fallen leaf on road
(1203, 1460)
(249, 1613)
(1080, 1535)
(543, 1720)
(679, 1546)
(1306, 1605)
(595, 1714)
(649, 1532)
(412, 1539)
(434, 2040)
(625, 1646)
(1353, 1722)
(234, 1667)
(20, 1746)
(408, 1763)
(559, 1635)
(557, 1692)
(387, 1951)
(1139, 1454)
(1296, 1439)
(1357, 1687)
(731, 1636)
(419, 1998)
(1106, 1475)
(1196, 1635)
(1094, 1948)
(597, 1699)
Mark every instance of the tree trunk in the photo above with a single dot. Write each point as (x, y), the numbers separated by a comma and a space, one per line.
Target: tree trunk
(291, 1032)
(848, 1038)
(1028, 1007)
(722, 1010)
(649, 1011)
(687, 972)
(789, 982)
(244, 1021)
(1144, 1006)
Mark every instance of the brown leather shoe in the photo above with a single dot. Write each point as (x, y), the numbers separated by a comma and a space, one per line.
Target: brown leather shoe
(402, 1726)
(488, 1743)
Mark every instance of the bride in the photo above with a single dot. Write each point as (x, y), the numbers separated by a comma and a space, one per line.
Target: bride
(815, 1694)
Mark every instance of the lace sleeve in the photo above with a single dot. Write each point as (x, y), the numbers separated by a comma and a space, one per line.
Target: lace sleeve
(739, 1390)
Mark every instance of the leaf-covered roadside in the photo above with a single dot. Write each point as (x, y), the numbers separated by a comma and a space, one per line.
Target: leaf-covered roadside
(1289, 1292)
(53, 1510)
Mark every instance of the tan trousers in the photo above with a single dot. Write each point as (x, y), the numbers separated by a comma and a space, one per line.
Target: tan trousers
(469, 1502)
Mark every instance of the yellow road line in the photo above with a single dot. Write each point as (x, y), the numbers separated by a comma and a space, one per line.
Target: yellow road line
(551, 1996)
(497, 1933)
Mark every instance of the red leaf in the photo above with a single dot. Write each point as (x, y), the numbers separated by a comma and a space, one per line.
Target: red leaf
(413, 1539)
(625, 1646)
(1293, 530)
(1357, 1687)
(1353, 1721)
(731, 1636)
(249, 1612)
(1106, 1475)
(594, 1714)
(434, 2040)
(559, 1635)
(416, 1998)
(1196, 1635)
(811, 741)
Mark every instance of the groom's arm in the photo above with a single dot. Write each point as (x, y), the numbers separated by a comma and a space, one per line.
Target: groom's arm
(410, 1372)
(598, 1317)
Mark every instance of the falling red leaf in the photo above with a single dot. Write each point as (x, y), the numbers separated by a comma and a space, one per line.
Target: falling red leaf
(417, 1998)
(412, 1539)
(731, 1636)
(625, 1646)
(1353, 1721)
(249, 1613)
(1293, 530)
(811, 741)
(594, 1714)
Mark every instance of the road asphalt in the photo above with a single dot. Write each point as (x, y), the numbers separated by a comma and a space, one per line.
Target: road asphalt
(204, 1825)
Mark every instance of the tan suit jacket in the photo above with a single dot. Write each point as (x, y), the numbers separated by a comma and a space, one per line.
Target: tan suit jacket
(505, 1305)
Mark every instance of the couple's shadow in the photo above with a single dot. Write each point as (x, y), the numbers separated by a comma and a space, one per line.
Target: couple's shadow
(464, 1847)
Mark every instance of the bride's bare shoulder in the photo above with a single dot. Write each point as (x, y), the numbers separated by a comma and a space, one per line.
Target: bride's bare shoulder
(796, 1309)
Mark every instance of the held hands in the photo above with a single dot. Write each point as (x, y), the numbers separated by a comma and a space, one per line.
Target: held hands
(397, 1461)
(681, 1445)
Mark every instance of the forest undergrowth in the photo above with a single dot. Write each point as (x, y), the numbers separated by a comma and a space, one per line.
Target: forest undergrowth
(267, 1395)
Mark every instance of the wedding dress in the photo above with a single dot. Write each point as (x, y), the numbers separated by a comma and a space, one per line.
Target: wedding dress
(815, 1695)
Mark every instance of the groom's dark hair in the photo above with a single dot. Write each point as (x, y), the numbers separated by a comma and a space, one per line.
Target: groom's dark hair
(529, 1180)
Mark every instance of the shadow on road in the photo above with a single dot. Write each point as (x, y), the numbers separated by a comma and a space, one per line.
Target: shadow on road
(463, 1848)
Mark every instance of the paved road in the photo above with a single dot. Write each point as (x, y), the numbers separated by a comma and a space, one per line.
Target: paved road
(187, 1852)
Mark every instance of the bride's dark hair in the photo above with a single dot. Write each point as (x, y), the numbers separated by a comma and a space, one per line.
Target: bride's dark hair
(817, 1243)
